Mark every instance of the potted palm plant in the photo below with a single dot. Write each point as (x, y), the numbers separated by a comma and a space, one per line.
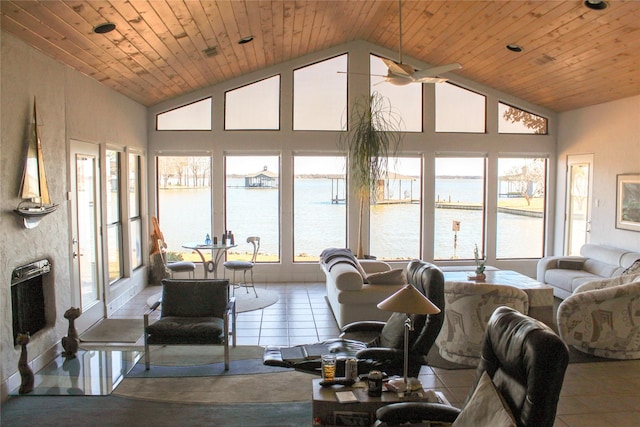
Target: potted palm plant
(373, 135)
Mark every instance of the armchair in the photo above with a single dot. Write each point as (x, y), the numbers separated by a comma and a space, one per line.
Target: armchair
(193, 312)
(380, 345)
(468, 309)
(602, 318)
(519, 379)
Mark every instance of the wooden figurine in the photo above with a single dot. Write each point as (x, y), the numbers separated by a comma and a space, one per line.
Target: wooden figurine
(26, 374)
(71, 342)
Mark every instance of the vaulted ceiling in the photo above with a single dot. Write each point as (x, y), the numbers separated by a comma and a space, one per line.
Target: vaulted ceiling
(572, 56)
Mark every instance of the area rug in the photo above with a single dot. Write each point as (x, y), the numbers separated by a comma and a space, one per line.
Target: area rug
(202, 361)
(114, 330)
(80, 411)
(289, 386)
(190, 355)
(244, 301)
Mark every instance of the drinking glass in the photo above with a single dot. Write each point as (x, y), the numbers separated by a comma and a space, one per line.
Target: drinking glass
(328, 367)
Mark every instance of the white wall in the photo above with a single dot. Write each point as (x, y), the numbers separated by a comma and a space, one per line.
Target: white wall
(611, 132)
(70, 106)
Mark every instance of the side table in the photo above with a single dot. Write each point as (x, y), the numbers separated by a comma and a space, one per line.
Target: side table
(330, 412)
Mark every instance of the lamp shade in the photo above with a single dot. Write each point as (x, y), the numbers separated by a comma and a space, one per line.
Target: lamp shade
(409, 300)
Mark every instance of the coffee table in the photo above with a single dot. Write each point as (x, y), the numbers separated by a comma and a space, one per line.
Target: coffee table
(328, 411)
(540, 295)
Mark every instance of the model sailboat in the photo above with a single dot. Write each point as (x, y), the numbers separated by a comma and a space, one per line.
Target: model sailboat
(34, 190)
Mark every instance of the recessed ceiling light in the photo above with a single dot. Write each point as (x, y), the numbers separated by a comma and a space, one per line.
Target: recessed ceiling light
(246, 39)
(107, 27)
(514, 48)
(596, 4)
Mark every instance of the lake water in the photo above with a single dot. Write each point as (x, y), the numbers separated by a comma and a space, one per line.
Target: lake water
(318, 223)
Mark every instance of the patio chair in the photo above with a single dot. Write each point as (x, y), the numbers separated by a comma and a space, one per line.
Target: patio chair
(244, 266)
(176, 266)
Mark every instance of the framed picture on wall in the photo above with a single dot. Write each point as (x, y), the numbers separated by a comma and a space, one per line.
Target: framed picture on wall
(628, 202)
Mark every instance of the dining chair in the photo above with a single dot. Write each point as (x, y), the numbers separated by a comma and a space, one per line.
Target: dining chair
(176, 266)
(244, 266)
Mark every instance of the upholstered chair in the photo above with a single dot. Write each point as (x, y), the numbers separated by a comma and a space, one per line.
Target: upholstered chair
(468, 307)
(602, 318)
(518, 380)
(193, 312)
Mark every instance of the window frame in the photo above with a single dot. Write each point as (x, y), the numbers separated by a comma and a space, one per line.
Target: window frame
(114, 223)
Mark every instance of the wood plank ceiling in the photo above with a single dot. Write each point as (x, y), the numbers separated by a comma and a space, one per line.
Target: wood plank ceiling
(573, 56)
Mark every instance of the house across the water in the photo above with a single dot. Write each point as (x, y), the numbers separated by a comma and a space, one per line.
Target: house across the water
(262, 179)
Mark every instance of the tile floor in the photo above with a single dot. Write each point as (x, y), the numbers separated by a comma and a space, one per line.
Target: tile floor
(594, 394)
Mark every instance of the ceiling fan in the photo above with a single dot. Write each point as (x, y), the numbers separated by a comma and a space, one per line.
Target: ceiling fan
(400, 74)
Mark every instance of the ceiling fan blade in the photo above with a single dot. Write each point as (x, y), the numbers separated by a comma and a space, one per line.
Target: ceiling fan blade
(434, 71)
(430, 80)
(397, 68)
(361, 74)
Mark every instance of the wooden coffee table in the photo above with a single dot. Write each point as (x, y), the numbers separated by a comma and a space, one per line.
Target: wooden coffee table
(540, 295)
(326, 407)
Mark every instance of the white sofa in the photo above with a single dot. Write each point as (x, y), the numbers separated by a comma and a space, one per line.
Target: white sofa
(596, 262)
(602, 318)
(350, 298)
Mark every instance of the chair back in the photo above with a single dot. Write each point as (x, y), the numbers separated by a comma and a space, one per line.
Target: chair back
(194, 298)
(162, 248)
(427, 278)
(526, 361)
(255, 241)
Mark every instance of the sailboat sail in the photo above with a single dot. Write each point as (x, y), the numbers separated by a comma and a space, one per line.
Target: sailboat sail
(34, 181)
(34, 191)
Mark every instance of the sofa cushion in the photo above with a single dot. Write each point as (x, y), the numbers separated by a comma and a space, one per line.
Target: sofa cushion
(562, 278)
(600, 268)
(579, 281)
(368, 294)
(605, 254)
(391, 277)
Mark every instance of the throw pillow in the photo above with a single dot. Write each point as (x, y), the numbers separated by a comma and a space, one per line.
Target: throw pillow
(568, 264)
(633, 268)
(360, 269)
(389, 277)
(486, 408)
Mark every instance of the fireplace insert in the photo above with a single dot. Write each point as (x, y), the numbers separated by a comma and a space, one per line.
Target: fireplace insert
(27, 297)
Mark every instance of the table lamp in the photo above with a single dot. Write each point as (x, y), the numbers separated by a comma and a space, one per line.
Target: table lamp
(410, 301)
